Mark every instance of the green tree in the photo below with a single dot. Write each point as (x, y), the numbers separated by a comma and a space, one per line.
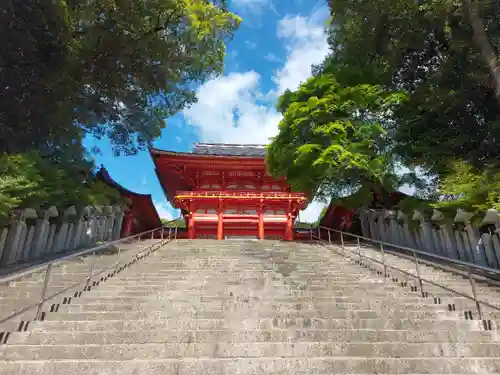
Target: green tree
(332, 139)
(108, 68)
(31, 181)
(429, 50)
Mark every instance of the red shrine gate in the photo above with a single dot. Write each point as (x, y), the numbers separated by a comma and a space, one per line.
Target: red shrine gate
(223, 190)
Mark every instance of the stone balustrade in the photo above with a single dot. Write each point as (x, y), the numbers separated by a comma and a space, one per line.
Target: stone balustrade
(457, 239)
(33, 234)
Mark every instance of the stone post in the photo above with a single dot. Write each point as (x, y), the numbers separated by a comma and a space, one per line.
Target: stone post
(13, 248)
(88, 229)
(70, 216)
(42, 228)
(380, 225)
(365, 231)
(96, 225)
(476, 248)
(26, 249)
(3, 239)
(493, 257)
(79, 230)
(405, 230)
(447, 239)
(426, 236)
(370, 215)
(394, 228)
(118, 221)
(108, 222)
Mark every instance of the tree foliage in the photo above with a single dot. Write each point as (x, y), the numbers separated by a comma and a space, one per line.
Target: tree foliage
(31, 181)
(332, 137)
(107, 68)
(426, 49)
(437, 105)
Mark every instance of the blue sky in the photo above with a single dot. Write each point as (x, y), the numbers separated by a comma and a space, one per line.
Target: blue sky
(273, 50)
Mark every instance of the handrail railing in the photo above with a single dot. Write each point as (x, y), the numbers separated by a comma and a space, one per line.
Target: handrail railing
(91, 273)
(415, 253)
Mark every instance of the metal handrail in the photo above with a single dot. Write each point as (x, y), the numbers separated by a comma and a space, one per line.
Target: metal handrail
(102, 246)
(43, 298)
(415, 252)
(419, 252)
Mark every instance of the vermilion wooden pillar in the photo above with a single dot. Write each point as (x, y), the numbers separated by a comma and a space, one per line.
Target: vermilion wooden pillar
(261, 224)
(289, 231)
(190, 226)
(220, 226)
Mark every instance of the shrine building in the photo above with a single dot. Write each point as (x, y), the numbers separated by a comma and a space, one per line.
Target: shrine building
(140, 215)
(224, 191)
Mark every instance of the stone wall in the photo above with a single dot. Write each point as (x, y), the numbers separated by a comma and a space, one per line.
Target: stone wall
(33, 234)
(459, 239)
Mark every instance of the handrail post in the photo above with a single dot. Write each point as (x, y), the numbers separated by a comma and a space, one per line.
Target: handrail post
(44, 291)
(329, 237)
(383, 260)
(319, 234)
(152, 234)
(417, 267)
(474, 293)
(175, 235)
(91, 268)
(169, 233)
(342, 240)
(359, 250)
(161, 234)
(311, 234)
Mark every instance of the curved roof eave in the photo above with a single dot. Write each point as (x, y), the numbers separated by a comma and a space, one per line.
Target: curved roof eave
(104, 175)
(157, 152)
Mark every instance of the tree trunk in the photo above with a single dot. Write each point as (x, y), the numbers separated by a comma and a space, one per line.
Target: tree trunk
(482, 43)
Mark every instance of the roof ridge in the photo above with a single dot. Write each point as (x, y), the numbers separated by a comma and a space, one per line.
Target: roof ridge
(230, 144)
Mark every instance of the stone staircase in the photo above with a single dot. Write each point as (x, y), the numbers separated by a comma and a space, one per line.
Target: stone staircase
(253, 307)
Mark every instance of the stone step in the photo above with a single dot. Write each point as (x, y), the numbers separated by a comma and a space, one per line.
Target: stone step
(336, 302)
(216, 335)
(126, 324)
(156, 314)
(257, 366)
(209, 286)
(101, 291)
(208, 307)
(222, 349)
(266, 299)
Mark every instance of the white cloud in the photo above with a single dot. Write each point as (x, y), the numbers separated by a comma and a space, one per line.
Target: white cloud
(254, 6)
(250, 44)
(228, 111)
(306, 45)
(312, 212)
(166, 211)
(234, 109)
(273, 58)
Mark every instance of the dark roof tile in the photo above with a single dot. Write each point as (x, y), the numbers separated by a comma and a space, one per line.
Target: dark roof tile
(230, 150)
